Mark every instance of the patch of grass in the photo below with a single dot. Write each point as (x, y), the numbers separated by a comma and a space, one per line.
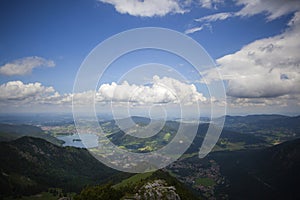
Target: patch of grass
(229, 146)
(133, 179)
(145, 149)
(188, 155)
(207, 182)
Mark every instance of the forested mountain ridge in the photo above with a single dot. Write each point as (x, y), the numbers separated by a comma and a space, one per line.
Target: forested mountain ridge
(30, 165)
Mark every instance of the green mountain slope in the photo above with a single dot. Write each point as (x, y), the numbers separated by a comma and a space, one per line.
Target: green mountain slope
(30, 165)
(271, 173)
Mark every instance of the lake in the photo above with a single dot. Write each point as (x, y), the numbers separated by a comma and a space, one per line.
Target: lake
(90, 140)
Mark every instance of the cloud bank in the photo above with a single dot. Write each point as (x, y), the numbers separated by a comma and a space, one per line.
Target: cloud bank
(24, 66)
(264, 69)
(161, 91)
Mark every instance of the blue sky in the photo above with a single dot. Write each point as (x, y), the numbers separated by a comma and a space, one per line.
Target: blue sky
(43, 43)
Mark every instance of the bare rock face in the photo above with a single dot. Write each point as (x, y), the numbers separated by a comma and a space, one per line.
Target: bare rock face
(157, 189)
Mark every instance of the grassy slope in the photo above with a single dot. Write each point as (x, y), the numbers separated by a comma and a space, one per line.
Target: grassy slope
(133, 179)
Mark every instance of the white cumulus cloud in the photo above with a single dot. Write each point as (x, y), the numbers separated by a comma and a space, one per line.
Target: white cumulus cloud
(265, 68)
(24, 66)
(163, 90)
(18, 91)
(147, 8)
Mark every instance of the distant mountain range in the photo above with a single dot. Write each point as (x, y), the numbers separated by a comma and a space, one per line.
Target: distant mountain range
(238, 132)
(252, 123)
(10, 132)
